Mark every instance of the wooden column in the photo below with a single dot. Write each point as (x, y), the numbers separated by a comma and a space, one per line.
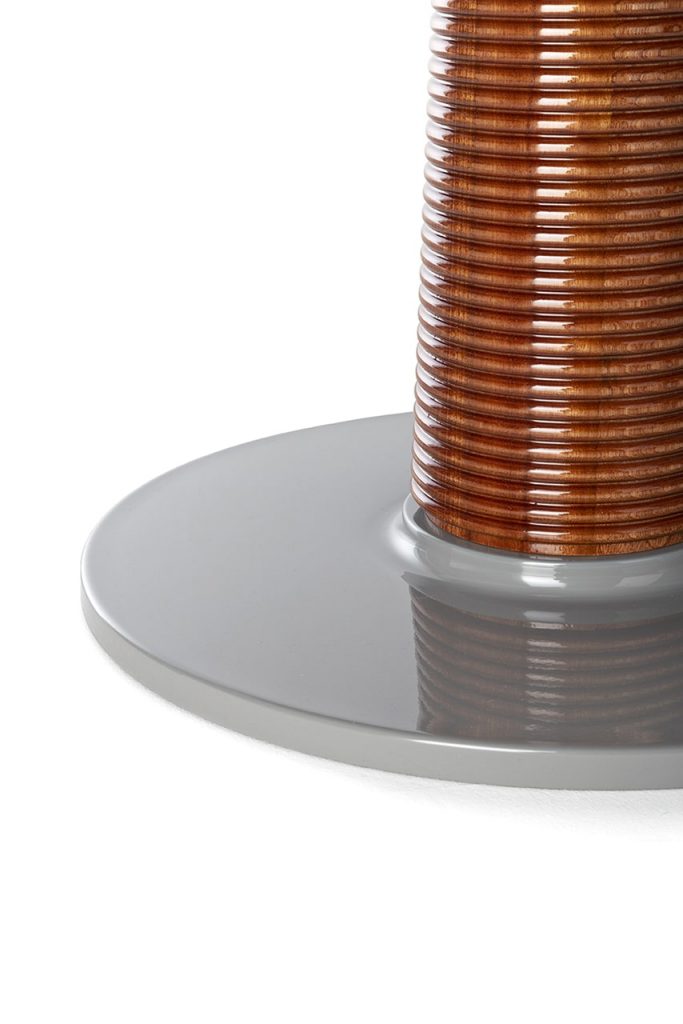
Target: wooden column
(549, 413)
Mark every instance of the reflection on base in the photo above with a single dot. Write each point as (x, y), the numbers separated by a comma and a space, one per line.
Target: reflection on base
(524, 678)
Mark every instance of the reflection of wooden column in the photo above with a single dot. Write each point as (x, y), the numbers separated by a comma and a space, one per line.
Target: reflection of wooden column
(550, 374)
(496, 679)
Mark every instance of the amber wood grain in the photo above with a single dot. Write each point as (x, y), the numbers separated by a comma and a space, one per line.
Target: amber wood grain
(549, 400)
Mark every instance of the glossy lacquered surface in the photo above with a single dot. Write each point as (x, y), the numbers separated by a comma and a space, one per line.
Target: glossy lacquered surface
(287, 589)
(520, 679)
(550, 362)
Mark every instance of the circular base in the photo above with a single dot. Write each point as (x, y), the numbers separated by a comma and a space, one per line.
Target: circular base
(282, 589)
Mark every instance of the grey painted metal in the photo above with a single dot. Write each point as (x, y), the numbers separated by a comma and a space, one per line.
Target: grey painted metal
(287, 589)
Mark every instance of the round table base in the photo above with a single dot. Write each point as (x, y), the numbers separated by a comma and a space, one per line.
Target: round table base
(284, 589)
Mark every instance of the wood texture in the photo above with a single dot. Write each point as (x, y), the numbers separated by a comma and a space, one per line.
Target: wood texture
(549, 400)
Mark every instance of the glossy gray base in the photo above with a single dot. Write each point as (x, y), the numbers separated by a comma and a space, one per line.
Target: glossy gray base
(287, 590)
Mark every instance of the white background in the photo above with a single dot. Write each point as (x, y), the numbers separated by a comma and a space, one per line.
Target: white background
(210, 231)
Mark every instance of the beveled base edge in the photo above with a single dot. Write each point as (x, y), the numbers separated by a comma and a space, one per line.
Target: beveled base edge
(386, 749)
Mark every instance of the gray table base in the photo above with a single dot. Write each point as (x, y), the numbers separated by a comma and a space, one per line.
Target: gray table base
(286, 589)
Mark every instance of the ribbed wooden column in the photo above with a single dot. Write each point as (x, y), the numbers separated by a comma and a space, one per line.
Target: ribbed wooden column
(549, 415)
